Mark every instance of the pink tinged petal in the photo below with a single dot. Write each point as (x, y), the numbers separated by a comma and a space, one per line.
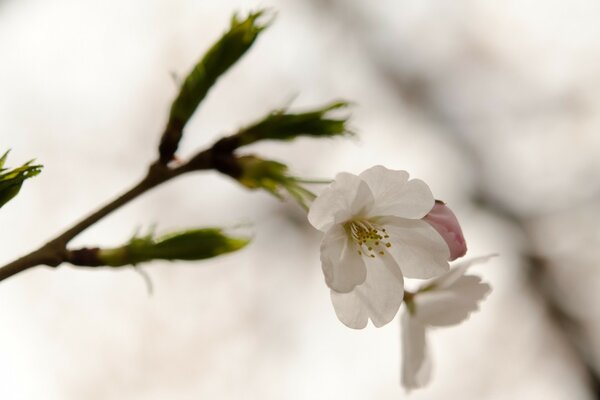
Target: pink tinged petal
(347, 196)
(444, 221)
(452, 305)
(417, 248)
(378, 299)
(395, 195)
(343, 268)
(416, 364)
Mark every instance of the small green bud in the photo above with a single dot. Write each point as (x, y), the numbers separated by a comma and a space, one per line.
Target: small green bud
(265, 174)
(273, 177)
(281, 125)
(217, 60)
(12, 180)
(191, 245)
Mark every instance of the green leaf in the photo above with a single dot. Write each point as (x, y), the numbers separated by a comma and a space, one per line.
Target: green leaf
(11, 181)
(281, 125)
(191, 245)
(217, 60)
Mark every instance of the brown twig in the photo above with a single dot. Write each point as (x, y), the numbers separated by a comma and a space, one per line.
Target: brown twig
(55, 251)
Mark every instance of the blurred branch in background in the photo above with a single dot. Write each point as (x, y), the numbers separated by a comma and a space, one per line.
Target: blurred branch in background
(572, 330)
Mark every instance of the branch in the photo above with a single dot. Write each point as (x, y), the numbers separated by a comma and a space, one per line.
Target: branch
(280, 125)
(55, 251)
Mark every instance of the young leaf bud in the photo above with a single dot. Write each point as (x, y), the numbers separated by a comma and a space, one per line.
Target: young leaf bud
(281, 125)
(273, 177)
(191, 245)
(12, 180)
(217, 60)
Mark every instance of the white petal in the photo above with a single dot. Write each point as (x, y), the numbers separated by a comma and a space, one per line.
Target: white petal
(383, 291)
(379, 298)
(347, 196)
(452, 305)
(350, 309)
(456, 272)
(395, 195)
(343, 268)
(416, 365)
(417, 247)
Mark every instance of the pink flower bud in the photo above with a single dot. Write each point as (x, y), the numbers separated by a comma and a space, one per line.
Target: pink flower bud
(444, 221)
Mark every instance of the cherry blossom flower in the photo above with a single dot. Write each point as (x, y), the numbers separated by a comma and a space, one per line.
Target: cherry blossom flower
(446, 300)
(375, 236)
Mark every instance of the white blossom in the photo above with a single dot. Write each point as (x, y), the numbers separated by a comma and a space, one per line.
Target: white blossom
(375, 235)
(444, 301)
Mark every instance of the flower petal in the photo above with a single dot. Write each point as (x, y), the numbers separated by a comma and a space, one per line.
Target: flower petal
(419, 250)
(416, 364)
(378, 298)
(343, 268)
(458, 270)
(452, 305)
(445, 222)
(347, 196)
(350, 309)
(395, 195)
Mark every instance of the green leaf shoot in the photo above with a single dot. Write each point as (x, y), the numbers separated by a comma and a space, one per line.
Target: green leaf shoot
(190, 245)
(11, 180)
(284, 125)
(217, 60)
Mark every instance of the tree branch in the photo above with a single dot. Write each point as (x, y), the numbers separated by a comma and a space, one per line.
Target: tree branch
(55, 251)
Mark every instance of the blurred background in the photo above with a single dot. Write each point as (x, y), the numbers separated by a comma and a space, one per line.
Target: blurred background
(494, 104)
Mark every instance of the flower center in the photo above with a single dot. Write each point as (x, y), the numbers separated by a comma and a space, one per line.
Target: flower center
(368, 236)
